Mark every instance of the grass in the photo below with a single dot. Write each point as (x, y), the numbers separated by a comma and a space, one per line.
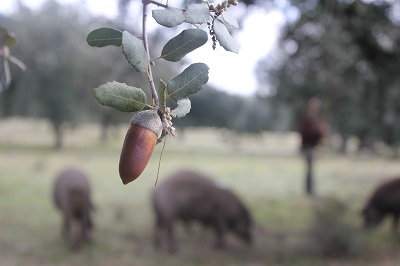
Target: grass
(266, 171)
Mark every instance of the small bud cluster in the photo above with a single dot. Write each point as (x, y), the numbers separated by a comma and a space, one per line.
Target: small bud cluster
(167, 121)
(232, 2)
(217, 12)
(222, 7)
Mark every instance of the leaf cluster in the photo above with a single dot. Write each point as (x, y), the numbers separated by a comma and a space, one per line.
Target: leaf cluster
(191, 80)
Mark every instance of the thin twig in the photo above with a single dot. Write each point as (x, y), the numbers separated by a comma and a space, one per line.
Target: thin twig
(146, 46)
(157, 3)
(159, 161)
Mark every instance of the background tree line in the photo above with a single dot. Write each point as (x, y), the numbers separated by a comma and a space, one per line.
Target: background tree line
(344, 52)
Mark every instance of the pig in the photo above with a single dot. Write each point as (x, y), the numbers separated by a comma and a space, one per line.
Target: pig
(71, 195)
(385, 200)
(189, 197)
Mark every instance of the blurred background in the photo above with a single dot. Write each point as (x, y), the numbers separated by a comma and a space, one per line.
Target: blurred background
(242, 131)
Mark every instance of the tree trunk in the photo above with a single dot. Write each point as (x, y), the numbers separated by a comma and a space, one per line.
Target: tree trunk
(58, 144)
(343, 145)
(309, 178)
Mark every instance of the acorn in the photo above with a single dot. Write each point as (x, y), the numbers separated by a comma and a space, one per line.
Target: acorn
(140, 140)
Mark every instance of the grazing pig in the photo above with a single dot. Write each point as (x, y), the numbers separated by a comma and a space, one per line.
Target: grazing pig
(188, 196)
(71, 196)
(384, 201)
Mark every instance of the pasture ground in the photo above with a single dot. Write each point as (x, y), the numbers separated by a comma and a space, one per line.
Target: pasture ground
(266, 171)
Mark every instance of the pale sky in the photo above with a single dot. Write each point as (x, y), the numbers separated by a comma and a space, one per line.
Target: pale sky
(233, 73)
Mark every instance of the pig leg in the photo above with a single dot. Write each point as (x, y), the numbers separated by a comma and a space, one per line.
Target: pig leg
(87, 227)
(85, 230)
(158, 230)
(75, 233)
(395, 223)
(219, 233)
(171, 238)
(65, 227)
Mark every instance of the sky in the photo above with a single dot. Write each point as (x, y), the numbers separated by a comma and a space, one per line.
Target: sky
(230, 72)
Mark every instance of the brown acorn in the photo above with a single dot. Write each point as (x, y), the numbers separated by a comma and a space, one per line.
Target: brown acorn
(139, 143)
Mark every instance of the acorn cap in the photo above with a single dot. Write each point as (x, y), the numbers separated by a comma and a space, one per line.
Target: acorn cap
(148, 119)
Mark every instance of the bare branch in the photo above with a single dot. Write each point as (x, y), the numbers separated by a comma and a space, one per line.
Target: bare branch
(156, 3)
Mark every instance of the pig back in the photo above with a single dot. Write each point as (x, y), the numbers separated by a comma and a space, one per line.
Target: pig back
(186, 195)
(387, 196)
(68, 183)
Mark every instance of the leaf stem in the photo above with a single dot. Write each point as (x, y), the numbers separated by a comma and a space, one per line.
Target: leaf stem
(146, 46)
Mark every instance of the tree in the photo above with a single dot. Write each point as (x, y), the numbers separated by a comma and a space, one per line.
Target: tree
(47, 89)
(345, 54)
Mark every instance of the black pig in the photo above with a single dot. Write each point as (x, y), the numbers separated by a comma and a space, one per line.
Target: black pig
(71, 196)
(385, 200)
(188, 196)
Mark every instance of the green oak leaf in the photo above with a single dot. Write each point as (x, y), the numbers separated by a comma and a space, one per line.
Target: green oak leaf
(229, 20)
(134, 52)
(120, 96)
(224, 37)
(197, 14)
(190, 81)
(5, 77)
(16, 62)
(184, 43)
(169, 17)
(104, 36)
(182, 109)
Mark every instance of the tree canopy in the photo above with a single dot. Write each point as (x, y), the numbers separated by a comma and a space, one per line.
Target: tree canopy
(346, 53)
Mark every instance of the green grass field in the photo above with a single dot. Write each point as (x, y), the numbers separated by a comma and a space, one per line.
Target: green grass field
(266, 171)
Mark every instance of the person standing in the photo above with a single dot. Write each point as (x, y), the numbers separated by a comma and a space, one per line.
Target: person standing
(311, 130)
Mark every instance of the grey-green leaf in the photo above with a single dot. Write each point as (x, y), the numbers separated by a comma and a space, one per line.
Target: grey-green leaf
(197, 14)
(104, 36)
(182, 44)
(5, 78)
(190, 81)
(121, 96)
(17, 62)
(229, 20)
(169, 17)
(134, 52)
(224, 37)
(182, 109)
